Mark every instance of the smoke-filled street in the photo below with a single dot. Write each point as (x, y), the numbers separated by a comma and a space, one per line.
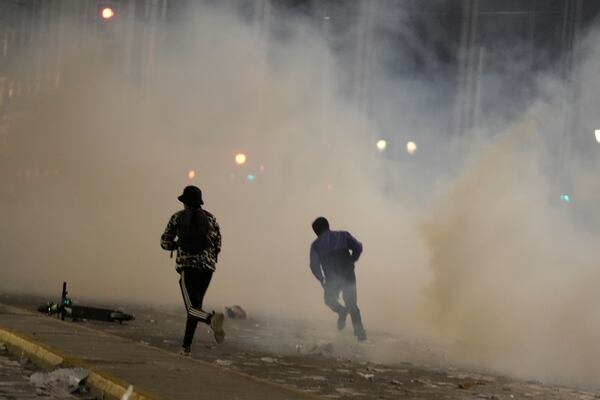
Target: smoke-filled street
(402, 194)
(292, 354)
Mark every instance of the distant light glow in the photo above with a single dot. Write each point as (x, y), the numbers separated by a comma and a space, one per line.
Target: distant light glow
(191, 174)
(240, 159)
(411, 147)
(107, 13)
(251, 178)
(262, 168)
(381, 145)
(329, 186)
(597, 132)
(565, 198)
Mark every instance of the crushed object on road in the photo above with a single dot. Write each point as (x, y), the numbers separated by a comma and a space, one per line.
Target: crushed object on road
(62, 380)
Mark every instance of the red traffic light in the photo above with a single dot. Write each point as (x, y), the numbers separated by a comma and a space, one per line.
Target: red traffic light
(107, 13)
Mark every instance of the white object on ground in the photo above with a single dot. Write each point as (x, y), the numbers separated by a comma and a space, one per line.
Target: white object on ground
(369, 377)
(128, 393)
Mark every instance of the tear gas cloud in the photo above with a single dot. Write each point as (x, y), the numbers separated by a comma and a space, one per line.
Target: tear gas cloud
(464, 241)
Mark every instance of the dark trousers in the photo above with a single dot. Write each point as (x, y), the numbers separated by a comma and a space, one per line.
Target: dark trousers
(344, 282)
(193, 283)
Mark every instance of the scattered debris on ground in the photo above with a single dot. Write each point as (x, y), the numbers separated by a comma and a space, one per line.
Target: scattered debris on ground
(332, 365)
(223, 363)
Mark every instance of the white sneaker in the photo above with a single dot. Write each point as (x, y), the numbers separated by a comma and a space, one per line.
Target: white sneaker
(216, 324)
(185, 352)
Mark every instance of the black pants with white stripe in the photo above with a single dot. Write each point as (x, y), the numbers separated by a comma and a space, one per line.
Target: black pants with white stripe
(194, 283)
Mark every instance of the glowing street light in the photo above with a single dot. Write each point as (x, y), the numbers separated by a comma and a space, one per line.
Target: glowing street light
(597, 132)
(381, 145)
(240, 159)
(565, 198)
(251, 178)
(107, 13)
(411, 147)
(191, 174)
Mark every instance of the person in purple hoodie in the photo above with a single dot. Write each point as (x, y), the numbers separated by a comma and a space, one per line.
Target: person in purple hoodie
(332, 258)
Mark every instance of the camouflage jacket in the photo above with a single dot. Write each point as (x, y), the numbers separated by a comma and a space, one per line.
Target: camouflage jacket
(207, 259)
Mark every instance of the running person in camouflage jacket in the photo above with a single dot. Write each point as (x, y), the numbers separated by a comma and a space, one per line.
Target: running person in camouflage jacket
(195, 266)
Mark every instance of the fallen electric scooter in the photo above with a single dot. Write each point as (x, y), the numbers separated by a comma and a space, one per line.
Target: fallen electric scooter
(66, 308)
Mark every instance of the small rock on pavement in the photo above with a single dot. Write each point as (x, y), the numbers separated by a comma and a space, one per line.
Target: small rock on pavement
(269, 360)
(224, 363)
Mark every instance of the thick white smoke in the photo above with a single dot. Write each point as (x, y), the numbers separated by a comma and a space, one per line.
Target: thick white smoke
(463, 242)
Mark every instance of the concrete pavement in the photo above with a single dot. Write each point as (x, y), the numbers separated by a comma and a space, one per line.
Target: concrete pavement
(115, 363)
